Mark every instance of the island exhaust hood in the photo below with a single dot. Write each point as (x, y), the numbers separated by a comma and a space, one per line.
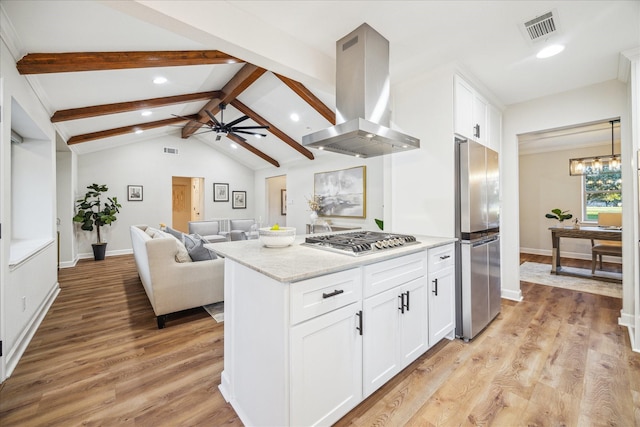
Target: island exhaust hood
(362, 100)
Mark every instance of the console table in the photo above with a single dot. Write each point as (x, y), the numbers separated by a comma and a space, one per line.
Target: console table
(595, 233)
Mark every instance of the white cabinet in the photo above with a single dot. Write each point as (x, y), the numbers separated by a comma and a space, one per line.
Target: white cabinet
(470, 107)
(394, 318)
(441, 296)
(326, 367)
(494, 133)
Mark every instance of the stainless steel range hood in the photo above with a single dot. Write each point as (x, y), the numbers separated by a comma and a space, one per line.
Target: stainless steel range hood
(362, 100)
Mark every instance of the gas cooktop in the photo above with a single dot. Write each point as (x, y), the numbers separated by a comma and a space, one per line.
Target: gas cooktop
(357, 243)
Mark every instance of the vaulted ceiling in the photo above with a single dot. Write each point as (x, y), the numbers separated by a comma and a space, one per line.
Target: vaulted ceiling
(92, 63)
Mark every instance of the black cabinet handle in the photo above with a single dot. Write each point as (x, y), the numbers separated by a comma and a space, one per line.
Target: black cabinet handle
(476, 131)
(332, 294)
(435, 282)
(407, 300)
(401, 308)
(443, 257)
(359, 327)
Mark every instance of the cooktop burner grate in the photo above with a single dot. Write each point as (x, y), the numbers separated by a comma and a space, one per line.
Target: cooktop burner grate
(359, 242)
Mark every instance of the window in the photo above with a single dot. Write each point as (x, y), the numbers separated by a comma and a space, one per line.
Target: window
(602, 192)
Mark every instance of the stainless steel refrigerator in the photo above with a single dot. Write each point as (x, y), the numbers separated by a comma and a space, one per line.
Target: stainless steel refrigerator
(478, 232)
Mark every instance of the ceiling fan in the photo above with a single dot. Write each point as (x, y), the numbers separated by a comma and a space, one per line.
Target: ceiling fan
(220, 127)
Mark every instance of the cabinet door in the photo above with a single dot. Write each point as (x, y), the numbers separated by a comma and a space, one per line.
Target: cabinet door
(413, 322)
(479, 119)
(441, 304)
(381, 339)
(326, 367)
(463, 107)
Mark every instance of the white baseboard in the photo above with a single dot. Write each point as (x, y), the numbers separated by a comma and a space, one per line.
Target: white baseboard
(89, 255)
(511, 295)
(14, 355)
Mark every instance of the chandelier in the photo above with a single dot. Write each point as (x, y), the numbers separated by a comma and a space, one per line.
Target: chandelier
(597, 164)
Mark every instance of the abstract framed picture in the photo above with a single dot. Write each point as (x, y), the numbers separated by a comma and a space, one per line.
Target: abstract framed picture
(220, 192)
(239, 200)
(134, 193)
(342, 192)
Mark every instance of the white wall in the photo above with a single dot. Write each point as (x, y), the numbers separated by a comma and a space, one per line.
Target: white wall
(146, 164)
(299, 177)
(29, 287)
(421, 197)
(546, 183)
(602, 101)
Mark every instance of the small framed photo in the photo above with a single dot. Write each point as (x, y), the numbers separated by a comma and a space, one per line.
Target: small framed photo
(283, 202)
(239, 200)
(220, 192)
(134, 193)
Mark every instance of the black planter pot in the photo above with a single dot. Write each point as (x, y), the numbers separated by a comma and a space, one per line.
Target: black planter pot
(99, 250)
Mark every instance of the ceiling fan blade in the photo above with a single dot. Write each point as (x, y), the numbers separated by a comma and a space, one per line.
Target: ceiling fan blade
(236, 121)
(250, 127)
(249, 133)
(237, 136)
(213, 118)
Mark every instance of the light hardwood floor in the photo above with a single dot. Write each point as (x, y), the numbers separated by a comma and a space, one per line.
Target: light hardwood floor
(558, 358)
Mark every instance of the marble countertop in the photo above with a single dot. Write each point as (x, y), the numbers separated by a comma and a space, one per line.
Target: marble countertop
(298, 262)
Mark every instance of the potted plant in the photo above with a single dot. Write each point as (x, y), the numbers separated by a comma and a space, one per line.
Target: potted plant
(91, 212)
(559, 214)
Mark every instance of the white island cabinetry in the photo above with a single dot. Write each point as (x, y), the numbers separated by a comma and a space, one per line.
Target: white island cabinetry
(310, 333)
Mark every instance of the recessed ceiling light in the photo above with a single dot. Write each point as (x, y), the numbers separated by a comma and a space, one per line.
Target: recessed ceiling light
(550, 51)
(160, 80)
(146, 113)
(234, 146)
(138, 131)
(295, 117)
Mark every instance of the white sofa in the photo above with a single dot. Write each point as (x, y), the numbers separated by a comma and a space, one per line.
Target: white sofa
(171, 285)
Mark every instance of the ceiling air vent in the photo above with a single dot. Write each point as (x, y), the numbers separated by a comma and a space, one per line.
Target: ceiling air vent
(541, 27)
(170, 150)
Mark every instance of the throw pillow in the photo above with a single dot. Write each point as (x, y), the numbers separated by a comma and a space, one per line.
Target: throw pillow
(150, 231)
(182, 255)
(195, 246)
(174, 232)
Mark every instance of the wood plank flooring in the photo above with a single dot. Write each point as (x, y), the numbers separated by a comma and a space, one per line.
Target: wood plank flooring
(558, 358)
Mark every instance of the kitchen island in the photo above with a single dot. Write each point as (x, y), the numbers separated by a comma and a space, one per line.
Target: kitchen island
(310, 333)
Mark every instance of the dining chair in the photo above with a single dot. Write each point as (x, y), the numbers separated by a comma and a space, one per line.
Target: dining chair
(606, 247)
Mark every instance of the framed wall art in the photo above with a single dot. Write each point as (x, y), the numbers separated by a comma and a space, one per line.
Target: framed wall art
(220, 192)
(239, 200)
(283, 202)
(134, 193)
(342, 192)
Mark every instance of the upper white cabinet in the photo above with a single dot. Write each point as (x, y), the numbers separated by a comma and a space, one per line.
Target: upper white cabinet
(474, 117)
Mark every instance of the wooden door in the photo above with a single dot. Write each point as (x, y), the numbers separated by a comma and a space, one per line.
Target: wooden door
(181, 196)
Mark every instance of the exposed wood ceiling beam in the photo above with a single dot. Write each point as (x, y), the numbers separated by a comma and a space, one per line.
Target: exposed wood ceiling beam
(272, 129)
(248, 74)
(309, 98)
(42, 63)
(127, 129)
(253, 149)
(123, 107)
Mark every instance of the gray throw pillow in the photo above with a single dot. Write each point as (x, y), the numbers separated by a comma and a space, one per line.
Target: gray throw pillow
(195, 246)
(176, 233)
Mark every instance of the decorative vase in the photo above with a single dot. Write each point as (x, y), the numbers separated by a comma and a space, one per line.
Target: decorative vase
(313, 217)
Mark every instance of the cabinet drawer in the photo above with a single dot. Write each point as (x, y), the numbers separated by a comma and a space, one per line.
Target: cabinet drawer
(441, 257)
(397, 271)
(320, 295)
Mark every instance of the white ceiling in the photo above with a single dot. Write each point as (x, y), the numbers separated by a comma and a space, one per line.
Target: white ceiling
(297, 39)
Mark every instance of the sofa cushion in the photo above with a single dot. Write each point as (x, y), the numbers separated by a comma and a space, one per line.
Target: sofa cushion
(195, 246)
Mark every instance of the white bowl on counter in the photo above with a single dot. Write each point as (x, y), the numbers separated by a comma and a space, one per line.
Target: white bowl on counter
(280, 238)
